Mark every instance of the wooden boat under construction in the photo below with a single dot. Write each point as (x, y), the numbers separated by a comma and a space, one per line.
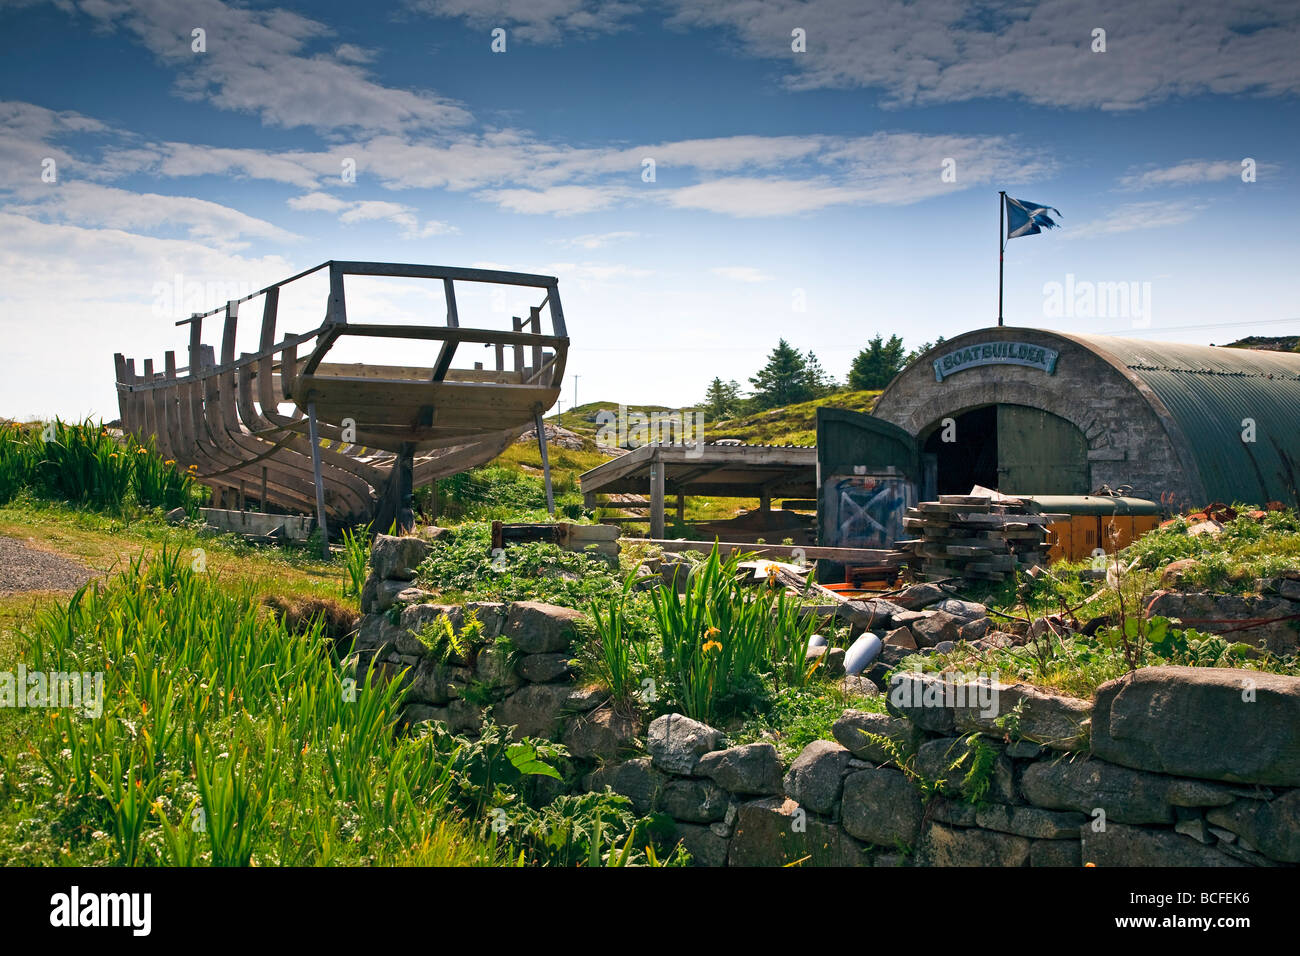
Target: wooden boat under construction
(358, 437)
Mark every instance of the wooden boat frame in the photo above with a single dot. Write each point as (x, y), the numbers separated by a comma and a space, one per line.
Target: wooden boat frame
(220, 420)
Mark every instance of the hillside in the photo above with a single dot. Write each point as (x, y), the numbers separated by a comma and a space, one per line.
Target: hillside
(787, 425)
(1268, 343)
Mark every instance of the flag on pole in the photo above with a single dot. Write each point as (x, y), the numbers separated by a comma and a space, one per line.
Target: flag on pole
(1025, 218)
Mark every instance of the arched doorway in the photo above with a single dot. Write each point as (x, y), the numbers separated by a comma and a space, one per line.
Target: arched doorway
(1015, 449)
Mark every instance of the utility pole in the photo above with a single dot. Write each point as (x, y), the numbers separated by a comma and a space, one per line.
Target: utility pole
(575, 392)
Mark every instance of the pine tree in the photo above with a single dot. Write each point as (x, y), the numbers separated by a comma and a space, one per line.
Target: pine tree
(819, 383)
(921, 349)
(783, 380)
(877, 364)
(721, 399)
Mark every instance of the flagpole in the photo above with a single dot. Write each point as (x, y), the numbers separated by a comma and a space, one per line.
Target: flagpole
(1002, 245)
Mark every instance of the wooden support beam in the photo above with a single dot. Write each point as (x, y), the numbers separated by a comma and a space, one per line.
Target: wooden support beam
(443, 365)
(314, 437)
(517, 324)
(453, 314)
(656, 496)
(535, 320)
(546, 462)
(338, 310)
(404, 470)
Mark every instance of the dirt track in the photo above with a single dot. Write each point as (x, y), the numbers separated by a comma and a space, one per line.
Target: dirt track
(27, 569)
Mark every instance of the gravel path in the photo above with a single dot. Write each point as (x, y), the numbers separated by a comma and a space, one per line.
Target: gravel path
(27, 569)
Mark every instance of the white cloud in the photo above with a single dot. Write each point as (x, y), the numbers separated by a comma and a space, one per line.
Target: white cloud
(745, 197)
(513, 169)
(1135, 216)
(538, 21)
(741, 273)
(950, 51)
(92, 204)
(318, 202)
(1190, 172)
(597, 240)
(351, 53)
(28, 134)
(595, 271)
(372, 210)
(556, 200)
(257, 61)
(73, 296)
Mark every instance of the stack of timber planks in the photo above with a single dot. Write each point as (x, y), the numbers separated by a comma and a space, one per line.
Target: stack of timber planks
(975, 537)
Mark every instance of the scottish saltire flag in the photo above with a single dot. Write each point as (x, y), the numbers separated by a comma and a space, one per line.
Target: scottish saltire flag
(1025, 218)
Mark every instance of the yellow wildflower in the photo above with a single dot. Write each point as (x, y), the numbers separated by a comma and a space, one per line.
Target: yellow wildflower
(712, 646)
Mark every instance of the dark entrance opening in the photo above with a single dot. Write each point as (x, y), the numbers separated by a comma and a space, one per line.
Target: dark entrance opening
(971, 457)
(1014, 449)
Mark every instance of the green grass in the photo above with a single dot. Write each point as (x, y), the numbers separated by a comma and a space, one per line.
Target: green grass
(104, 542)
(223, 739)
(788, 425)
(791, 424)
(797, 716)
(86, 464)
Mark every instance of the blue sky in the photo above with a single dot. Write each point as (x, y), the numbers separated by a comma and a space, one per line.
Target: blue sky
(781, 178)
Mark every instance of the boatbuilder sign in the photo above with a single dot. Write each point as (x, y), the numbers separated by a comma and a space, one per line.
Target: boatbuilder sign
(995, 353)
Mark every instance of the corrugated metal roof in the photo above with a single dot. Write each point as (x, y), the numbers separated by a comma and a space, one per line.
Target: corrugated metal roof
(1210, 392)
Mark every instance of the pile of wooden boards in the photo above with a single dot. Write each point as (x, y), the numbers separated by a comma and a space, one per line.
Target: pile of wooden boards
(976, 537)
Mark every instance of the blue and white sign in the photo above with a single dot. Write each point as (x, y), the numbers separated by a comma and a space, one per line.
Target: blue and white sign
(995, 353)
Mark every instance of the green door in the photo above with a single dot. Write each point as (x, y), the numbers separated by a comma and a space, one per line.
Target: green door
(1039, 453)
(868, 471)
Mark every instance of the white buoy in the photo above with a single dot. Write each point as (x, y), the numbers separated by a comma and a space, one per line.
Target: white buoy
(861, 653)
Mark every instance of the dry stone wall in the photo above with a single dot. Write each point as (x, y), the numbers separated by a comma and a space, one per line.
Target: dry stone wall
(1169, 766)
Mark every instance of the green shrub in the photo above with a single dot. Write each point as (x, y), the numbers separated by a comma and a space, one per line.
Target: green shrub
(356, 557)
(722, 638)
(619, 655)
(86, 465)
(466, 567)
(498, 492)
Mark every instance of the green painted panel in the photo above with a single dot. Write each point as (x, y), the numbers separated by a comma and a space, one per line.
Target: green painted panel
(1039, 453)
(847, 440)
(868, 470)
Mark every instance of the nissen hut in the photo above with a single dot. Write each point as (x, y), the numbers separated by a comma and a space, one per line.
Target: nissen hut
(1034, 412)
